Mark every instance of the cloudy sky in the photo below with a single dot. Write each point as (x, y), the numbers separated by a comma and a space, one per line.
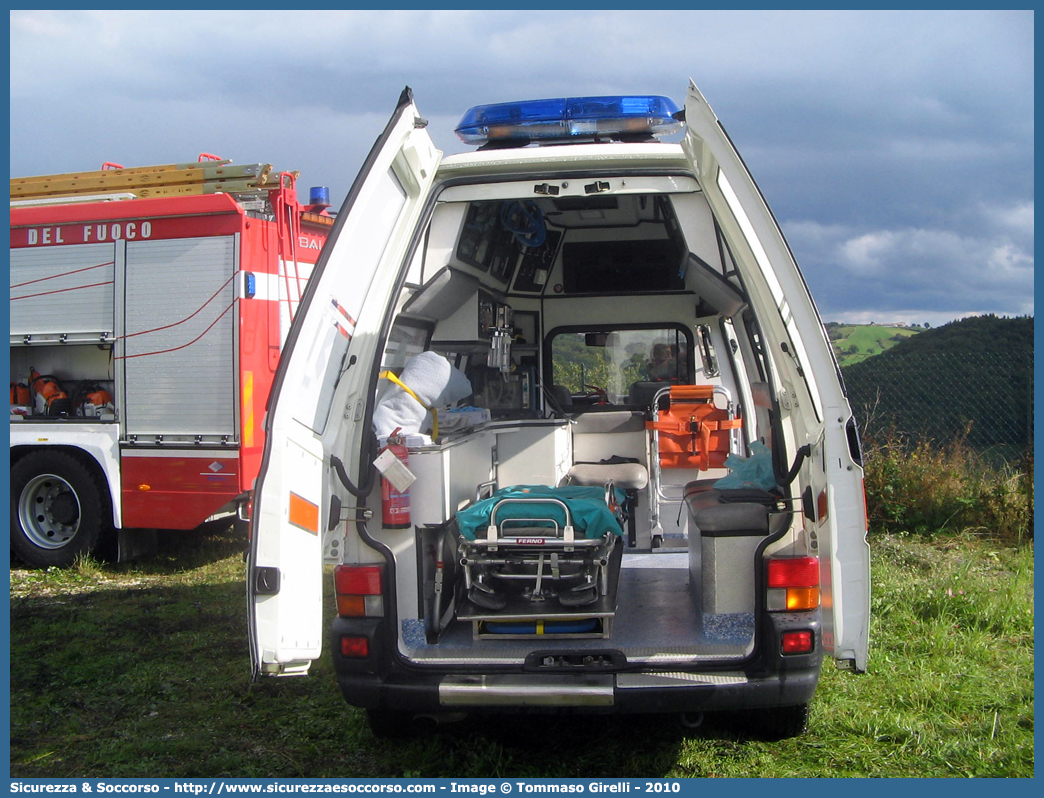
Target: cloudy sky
(895, 148)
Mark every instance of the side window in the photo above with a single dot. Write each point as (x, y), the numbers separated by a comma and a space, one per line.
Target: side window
(337, 303)
(600, 367)
(404, 341)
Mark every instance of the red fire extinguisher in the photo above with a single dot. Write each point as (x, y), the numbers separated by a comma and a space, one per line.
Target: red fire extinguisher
(395, 504)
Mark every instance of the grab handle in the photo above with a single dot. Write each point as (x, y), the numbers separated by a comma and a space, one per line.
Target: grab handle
(533, 500)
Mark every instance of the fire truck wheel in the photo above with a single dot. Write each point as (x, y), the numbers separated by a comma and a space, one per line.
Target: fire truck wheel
(56, 509)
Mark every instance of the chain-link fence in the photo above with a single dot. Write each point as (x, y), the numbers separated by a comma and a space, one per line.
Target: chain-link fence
(985, 400)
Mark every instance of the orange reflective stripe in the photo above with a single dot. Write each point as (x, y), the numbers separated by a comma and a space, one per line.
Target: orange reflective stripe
(303, 514)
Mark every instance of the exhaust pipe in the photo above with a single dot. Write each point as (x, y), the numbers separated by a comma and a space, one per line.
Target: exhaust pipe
(424, 724)
(691, 720)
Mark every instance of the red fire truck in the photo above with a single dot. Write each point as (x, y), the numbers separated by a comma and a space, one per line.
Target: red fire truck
(148, 308)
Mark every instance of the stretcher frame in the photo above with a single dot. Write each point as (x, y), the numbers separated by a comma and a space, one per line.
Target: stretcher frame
(544, 556)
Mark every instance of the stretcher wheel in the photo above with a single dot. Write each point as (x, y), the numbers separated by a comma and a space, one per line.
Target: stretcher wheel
(578, 597)
(485, 597)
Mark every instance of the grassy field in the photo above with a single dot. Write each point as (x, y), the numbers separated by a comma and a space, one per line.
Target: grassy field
(142, 670)
(856, 342)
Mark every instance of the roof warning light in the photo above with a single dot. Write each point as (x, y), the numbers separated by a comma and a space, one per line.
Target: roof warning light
(570, 118)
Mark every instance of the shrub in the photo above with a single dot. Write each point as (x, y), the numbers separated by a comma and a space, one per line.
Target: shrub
(925, 488)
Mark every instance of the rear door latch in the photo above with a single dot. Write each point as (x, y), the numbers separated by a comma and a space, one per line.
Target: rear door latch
(266, 580)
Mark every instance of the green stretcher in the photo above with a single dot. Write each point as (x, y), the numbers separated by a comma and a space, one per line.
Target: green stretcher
(538, 544)
(589, 512)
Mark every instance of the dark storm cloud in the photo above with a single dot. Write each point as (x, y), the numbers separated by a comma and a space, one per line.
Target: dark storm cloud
(896, 148)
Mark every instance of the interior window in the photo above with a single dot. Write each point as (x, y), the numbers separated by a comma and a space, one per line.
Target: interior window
(618, 367)
(405, 341)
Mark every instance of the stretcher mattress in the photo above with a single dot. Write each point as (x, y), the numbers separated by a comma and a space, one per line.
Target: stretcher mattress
(591, 516)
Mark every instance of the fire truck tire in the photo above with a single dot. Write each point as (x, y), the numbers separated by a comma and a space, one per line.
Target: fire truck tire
(57, 509)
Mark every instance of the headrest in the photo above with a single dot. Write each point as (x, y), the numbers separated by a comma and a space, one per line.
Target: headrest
(642, 393)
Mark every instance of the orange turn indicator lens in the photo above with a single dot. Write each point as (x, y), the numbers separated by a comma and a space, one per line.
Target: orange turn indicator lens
(802, 598)
(351, 606)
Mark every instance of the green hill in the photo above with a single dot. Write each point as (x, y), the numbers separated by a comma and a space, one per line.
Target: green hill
(855, 342)
(970, 378)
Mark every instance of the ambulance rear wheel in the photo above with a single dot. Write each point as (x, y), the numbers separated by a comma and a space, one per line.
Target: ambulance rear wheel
(779, 723)
(57, 505)
(390, 724)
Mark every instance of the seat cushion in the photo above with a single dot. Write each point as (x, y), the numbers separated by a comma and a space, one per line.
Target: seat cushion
(731, 520)
(608, 422)
(699, 486)
(699, 495)
(625, 476)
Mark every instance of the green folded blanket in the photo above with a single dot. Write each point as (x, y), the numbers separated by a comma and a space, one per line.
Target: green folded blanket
(591, 516)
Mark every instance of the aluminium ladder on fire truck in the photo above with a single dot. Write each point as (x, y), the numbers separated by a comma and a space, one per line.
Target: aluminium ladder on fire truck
(171, 287)
(148, 182)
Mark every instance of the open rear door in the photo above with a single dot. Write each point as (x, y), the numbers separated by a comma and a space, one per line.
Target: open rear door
(747, 221)
(327, 358)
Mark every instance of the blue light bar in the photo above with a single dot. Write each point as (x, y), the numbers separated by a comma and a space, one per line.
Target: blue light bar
(569, 117)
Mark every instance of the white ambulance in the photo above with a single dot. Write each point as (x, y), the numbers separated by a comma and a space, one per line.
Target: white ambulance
(563, 416)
